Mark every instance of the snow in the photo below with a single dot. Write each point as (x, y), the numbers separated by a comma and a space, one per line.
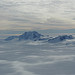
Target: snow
(35, 36)
(31, 35)
(60, 38)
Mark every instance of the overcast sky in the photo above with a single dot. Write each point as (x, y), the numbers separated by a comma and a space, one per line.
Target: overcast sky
(37, 14)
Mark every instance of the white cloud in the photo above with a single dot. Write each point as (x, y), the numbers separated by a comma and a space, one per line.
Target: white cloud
(37, 11)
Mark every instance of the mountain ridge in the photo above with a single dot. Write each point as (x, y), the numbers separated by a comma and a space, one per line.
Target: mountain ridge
(35, 36)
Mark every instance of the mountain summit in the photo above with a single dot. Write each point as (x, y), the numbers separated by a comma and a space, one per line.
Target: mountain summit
(34, 36)
(31, 35)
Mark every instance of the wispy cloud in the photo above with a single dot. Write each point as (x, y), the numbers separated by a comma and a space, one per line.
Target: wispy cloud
(32, 14)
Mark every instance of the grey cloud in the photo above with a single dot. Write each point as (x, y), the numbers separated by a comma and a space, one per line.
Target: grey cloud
(37, 12)
(56, 22)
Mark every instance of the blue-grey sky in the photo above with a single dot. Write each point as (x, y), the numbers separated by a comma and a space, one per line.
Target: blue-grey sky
(37, 14)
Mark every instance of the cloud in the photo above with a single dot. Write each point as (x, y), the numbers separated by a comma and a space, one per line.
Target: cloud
(41, 14)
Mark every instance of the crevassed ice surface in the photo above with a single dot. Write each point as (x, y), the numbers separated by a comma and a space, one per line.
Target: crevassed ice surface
(37, 58)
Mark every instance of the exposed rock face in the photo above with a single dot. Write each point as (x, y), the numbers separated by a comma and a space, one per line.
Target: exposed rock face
(60, 38)
(34, 36)
(31, 35)
(11, 38)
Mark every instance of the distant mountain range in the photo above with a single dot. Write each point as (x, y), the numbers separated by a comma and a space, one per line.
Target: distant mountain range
(35, 36)
(31, 35)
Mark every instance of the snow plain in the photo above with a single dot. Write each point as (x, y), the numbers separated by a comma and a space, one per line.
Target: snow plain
(37, 58)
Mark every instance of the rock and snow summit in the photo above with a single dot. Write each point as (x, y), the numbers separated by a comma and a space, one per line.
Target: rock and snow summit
(35, 36)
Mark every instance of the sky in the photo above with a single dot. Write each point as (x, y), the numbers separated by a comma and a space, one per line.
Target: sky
(37, 14)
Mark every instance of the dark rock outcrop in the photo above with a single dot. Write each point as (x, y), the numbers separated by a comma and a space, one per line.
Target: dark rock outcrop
(31, 35)
(34, 36)
(60, 38)
(11, 38)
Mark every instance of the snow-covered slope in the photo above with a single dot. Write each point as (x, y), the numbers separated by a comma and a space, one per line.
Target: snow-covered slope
(31, 35)
(35, 36)
(60, 38)
(11, 38)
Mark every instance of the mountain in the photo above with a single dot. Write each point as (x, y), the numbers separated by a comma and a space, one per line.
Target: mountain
(11, 38)
(31, 35)
(34, 36)
(60, 38)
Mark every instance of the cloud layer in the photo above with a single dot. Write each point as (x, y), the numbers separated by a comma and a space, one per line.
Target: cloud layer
(41, 14)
